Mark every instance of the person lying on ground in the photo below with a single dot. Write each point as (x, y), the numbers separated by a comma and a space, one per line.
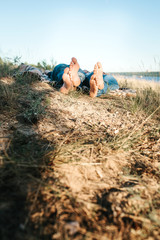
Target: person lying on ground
(68, 77)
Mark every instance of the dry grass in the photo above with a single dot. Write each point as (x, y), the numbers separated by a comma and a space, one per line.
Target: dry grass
(72, 167)
(148, 95)
(138, 84)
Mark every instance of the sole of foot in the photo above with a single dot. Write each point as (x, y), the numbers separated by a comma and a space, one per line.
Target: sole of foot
(73, 72)
(93, 87)
(67, 85)
(99, 75)
(96, 81)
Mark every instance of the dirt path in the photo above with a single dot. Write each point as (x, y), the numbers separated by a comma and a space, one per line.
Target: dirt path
(73, 167)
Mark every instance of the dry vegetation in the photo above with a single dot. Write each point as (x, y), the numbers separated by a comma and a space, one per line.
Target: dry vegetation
(72, 167)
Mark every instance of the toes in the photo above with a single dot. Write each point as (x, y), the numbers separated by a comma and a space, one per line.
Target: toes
(70, 69)
(70, 75)
(66, 70)
(73, 72)
(99, 65)
(95, 66)
(65, 75)
(93, 77)
(71, 65)
(74, 60)
(95, 71)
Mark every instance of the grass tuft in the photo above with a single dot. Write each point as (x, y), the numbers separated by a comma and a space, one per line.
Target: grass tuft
(147, 98)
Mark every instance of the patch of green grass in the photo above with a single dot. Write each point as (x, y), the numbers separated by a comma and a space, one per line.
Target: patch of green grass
(7, 67)
(32, 106)
(7, 95)
(44, 65)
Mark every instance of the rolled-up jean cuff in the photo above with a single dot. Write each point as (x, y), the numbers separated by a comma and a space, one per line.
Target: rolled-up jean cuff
(81, 75)
(110, 83)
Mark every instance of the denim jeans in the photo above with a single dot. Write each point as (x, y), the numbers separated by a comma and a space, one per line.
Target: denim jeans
(110, 83)
(58, 71)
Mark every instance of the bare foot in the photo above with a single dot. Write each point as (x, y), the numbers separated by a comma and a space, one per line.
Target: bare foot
(98, 70)
(93, 87)
(96, 81)
(67, 85)
(73, 72)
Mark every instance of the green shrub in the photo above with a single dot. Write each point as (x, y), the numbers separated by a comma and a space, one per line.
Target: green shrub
(8, 67)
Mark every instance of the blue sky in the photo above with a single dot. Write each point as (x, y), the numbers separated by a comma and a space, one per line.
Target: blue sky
(123, 34)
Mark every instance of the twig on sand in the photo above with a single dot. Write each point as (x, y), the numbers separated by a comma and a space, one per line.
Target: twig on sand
(85, 164)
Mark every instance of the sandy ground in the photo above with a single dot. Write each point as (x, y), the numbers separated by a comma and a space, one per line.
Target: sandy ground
(84, 169)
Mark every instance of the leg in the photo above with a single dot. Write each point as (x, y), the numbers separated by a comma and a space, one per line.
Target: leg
(93, 81)
(67, 76)
(57, 74)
